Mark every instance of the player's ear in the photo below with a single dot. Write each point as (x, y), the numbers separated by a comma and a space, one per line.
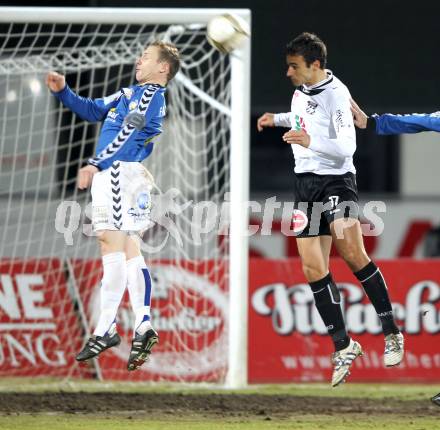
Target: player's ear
(316, 64)
(165, 67)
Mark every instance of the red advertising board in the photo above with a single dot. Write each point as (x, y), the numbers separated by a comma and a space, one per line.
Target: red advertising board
(288, 341)
(189, 308)
(39, 330)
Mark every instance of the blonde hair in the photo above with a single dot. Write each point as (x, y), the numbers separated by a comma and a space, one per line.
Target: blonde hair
(168, 53)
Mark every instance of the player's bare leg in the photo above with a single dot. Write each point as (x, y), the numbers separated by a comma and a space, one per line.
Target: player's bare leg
(314, 263)
(113, 285)
(325, 243)
(140, 289)
(314, 252)
(347, 236)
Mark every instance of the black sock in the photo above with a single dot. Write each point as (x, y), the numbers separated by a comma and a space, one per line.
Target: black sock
(376, 289)
(328, 303)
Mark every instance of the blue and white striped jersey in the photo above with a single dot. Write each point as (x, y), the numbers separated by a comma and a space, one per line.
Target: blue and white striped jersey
(132, 119)
(410, 123)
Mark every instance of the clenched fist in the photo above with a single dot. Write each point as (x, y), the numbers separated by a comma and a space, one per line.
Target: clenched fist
(55, 81)
(85, 176)
(265, 120)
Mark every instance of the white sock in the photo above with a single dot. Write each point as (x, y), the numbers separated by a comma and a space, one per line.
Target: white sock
(140, 289)
(114, 281)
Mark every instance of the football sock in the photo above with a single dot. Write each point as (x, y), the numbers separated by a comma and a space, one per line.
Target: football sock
(328, 302)
(139, 288)
(114, 281)
(376, 289)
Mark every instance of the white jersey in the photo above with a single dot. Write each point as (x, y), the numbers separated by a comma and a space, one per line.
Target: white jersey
(323, 112)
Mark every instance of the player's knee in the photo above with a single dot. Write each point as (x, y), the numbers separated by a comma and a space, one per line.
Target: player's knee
(355, 258)
(105, 243)
(313, 272)
(102, 238)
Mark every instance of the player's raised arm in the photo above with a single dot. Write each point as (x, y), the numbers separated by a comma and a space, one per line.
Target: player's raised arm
(91, 110)
(55, 82)
(409, 123)
(396, 124)
(274, 120)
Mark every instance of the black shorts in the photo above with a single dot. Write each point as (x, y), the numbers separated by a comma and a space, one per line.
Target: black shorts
(320, 199)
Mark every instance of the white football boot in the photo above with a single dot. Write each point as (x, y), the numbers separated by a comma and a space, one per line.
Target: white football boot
(394, 350)
(342, 360)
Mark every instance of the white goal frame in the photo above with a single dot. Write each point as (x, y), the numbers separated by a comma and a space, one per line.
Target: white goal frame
(237, 374)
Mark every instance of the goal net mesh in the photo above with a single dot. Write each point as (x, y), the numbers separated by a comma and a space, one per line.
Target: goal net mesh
(50, 267)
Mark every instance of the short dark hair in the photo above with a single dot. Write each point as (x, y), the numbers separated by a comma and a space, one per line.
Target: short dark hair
(310, 46)
(168, 53)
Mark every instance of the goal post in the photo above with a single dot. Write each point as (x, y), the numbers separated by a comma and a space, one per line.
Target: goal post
(204, 153)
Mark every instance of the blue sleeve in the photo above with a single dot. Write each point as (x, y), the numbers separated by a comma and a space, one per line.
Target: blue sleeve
(411, 123)
(143, 124)
(91, 110)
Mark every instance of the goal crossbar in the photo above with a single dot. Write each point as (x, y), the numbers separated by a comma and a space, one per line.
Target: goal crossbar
(67, 15)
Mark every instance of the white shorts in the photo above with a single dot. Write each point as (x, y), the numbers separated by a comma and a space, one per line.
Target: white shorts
(121, 198)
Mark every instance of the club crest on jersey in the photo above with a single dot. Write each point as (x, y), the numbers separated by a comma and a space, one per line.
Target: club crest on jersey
(132, 105)
(311, 107)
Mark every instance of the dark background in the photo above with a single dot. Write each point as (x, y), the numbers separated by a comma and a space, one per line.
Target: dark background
(386, 52)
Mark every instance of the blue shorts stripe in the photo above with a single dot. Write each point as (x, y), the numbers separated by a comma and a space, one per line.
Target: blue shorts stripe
(147, 277)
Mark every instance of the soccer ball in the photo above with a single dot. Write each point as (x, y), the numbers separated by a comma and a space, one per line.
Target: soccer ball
(227, 32)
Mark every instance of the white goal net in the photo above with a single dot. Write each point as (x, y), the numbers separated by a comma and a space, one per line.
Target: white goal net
(50, 268)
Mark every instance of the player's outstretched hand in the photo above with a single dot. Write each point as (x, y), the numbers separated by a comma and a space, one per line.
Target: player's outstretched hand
(360, 118)
(297, 137)
(265, 120)
(55, 81)
(85, 176)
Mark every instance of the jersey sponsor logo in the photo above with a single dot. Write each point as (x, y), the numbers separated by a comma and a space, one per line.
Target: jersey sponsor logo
(132, 105)
(339, 120)
(298, 123)
(112, 115)
(300, 221)
(138, 214)
(311, 107)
